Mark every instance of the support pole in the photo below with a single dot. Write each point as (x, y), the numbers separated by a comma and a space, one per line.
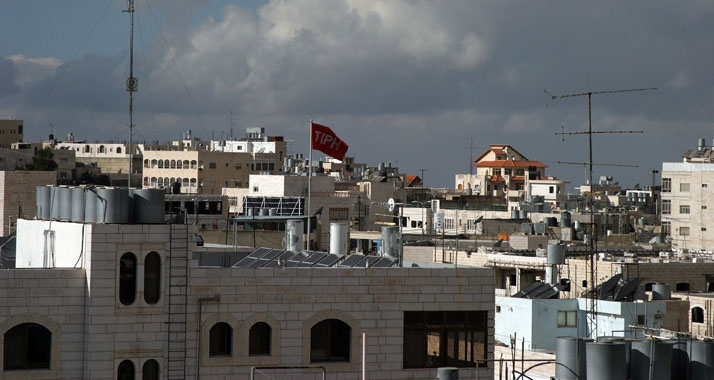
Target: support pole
(309, 188)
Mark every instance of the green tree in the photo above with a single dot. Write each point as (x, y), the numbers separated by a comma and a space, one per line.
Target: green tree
(42, 161)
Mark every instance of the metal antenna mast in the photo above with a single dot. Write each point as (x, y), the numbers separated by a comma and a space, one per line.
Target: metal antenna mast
(423, 222)
(589, 132)
(131, 86)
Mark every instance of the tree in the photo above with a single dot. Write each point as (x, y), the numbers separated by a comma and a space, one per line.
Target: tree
(42, 161)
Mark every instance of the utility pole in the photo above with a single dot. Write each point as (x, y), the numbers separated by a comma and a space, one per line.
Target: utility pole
(589, 132)
(131, 86)
(423, 222)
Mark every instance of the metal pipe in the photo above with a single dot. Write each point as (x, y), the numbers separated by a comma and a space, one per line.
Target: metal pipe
(364, 356)
(215, 298)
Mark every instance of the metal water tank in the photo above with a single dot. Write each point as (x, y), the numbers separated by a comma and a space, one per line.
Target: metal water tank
(42, 201)
(339, 238)
(391, 242)
(148, 205)
(65, 203)
(628, 349)
(606, 361)
(556, 254)
(565, 219)
(447, 373)
(54, 203)
(570, 358)
(701, 362)
(680, 357)
(661, 292)
(527, 228)
(641, 355)
(77, 204)
(294, 231)
(522, 214)
(90, 205)
(262, 211)
(113, 205)
(514, 214)
(272, 211)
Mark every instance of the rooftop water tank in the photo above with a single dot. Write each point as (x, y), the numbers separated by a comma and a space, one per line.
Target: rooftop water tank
(77, 204)
(113, 205)
(565, 219)
(640, 357)
(606, 361)
(91, 200)
(294, 235)
(556, 254)
(42, 196)
(701, 360)
(65, 203)
(54, 203)
(391, 242)
(570, 358)
(148, 205)
(661, 292)
(339, 238)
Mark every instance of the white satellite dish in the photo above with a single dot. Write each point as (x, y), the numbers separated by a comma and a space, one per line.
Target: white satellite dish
(390, 202)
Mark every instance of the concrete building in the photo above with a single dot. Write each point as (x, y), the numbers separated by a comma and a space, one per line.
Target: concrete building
(109, 157)
(687, 206)
(11, 131)
(17, 196)
(197, 171)
(123, 301)
(23, 153)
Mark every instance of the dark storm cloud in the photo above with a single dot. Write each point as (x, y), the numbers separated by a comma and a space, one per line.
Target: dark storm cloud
(8, 77)
(413, 81)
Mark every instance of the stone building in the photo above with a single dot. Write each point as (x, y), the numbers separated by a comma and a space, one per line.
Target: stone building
(17, 196)
(129, 301)
(11, 131)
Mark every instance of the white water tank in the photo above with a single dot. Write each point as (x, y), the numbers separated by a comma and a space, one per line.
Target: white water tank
(339, 238)
(294, 235)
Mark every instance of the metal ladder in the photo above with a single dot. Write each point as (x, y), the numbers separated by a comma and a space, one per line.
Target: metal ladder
(177, 303)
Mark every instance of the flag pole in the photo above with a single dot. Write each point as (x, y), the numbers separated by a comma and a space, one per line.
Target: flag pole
(309, 192)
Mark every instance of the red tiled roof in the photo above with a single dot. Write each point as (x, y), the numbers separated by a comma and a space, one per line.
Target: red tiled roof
(413, 180)
(497, 178)
(510, 164)
(498, 149)
(518, 178)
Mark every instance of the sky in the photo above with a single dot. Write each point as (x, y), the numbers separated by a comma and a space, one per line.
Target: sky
(412, 82)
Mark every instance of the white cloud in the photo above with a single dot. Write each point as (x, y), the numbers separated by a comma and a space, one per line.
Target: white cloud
(31, 70)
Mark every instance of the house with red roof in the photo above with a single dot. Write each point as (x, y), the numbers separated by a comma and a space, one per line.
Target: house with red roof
(503, 171)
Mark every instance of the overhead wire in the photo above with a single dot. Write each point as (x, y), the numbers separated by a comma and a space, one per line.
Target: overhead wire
(67, 66)
(173, 60)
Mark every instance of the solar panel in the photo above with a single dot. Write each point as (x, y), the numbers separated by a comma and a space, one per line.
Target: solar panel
(252, 257)
(313, 259)
(295, 260)
(539, 290)
(287, 255)
(384, 262)
(329, 261)
(268, 257)
(368, 259)
(352, 260)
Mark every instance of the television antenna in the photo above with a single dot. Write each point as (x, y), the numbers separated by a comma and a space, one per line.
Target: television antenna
(591, 241)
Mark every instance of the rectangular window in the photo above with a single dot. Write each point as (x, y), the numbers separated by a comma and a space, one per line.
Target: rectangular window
(704, 229)
(567, 319)
(684, 209)
(239, 166)
(684, 187)
(435, 339)
(339, 213)
(666, 207)
(704, 207)
(449, 224)
(551, 189)
(704, 185)
(255, 189)
(471, 225)
(666, 228)
(211, 165)
(683, 231)
(666, 185)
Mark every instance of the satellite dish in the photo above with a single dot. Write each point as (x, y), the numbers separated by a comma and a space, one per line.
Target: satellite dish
(390, 202)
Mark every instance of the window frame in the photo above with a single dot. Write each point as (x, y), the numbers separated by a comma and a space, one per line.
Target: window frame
(335, 349)
(258, 337)
(152, 278)
(128, 286)
(226, 337)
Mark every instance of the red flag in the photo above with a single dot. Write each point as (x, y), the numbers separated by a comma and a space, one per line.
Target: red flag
(326, 141)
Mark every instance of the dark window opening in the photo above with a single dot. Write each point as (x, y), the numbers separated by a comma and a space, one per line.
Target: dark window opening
(698, 315)
(152, 278)
(150, 370)
(682, 287)
(330, 341)
(27, 346)
(220, 340)
(565, 284)
(127, 279)
(648, 286)
(259, 339)
(125, 370)
(445, 338)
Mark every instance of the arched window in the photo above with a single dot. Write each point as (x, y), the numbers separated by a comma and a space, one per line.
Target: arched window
(27, 346)
(101, 149)
(127, 279)
(193, 182)
(220, 340)
(154, 163)
(118, 150)
(185, 164)
(330, 341)
(125, 371)
(161, 164)
(152, 278)
(161, 182)
(146, 163)
(86, 149)
(193, 164)
(682, 287)
(150, 370)
(698, 315)
(259, 339)
(167, 164)
(184, 182)
(167, 183)
(146, 181)
(153, 181)
(173, 164)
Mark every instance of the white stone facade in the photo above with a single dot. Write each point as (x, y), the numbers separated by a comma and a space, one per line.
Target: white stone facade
(94, 331)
